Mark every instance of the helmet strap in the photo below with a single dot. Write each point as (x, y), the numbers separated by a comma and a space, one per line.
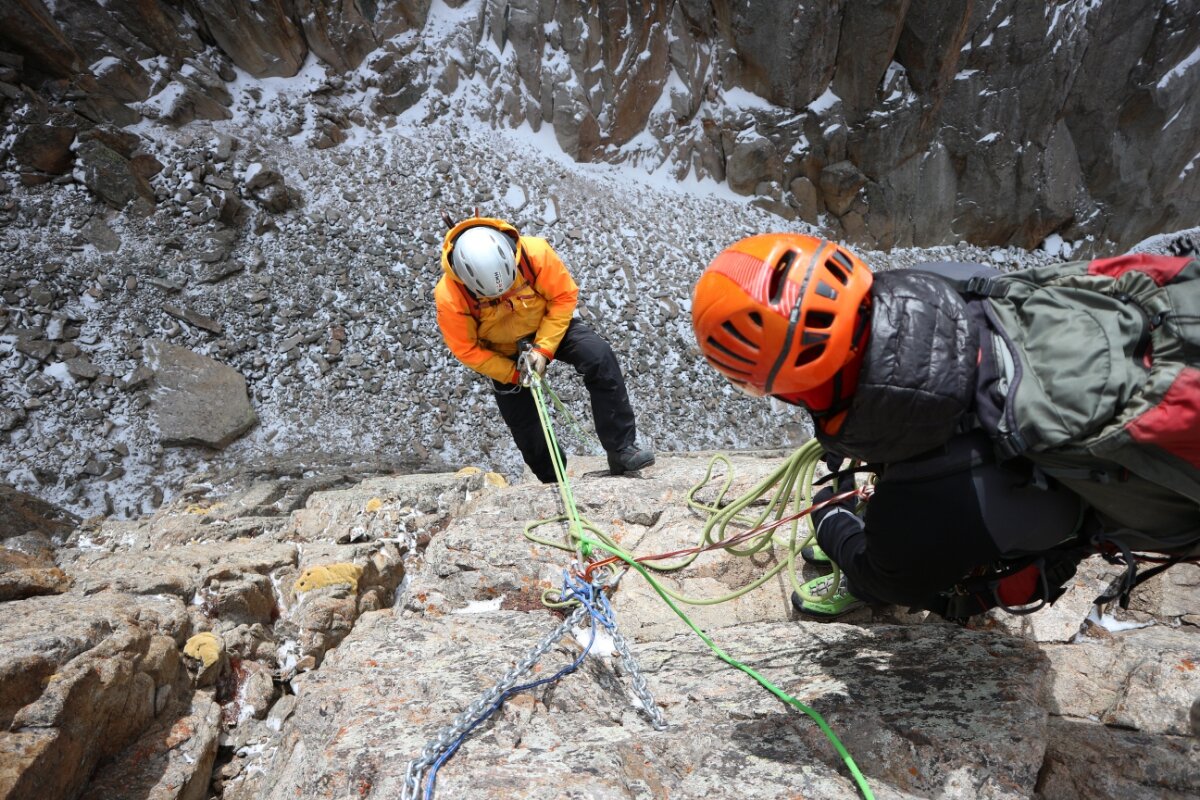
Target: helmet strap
(827, 403)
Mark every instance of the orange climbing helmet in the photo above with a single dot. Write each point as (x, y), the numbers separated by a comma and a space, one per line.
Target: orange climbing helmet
(781, 313)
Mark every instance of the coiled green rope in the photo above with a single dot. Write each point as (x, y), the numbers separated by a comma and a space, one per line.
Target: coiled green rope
(792, 484)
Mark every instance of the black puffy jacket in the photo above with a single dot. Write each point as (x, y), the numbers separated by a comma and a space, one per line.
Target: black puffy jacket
(917, 380)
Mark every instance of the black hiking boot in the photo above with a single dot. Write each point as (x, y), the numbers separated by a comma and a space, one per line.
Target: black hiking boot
(630, 459)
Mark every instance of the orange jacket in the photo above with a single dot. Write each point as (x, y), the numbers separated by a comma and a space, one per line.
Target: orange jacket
(483, 332)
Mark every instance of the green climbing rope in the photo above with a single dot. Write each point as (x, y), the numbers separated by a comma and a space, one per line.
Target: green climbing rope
(792, 482)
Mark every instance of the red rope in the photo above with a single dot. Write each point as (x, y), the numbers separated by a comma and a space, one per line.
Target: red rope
(735, 540)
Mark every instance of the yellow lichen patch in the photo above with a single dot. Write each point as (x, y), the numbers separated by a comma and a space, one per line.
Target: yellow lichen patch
(373, 505)
(198, 508)
(328, 575)
(204, 647)
(495, 479)
(465, 471)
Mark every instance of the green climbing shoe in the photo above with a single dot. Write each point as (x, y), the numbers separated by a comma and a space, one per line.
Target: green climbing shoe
(842, 601)
(813, 554)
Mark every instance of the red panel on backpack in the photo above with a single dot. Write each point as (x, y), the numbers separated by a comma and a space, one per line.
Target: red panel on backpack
(1174, 424)
(1021, 587)
(1162, 269)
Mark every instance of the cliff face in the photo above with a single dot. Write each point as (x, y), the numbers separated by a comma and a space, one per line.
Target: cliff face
(279, 642)
(890, 122)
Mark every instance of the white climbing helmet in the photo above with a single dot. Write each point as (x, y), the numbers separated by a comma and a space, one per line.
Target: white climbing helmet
(485, 260)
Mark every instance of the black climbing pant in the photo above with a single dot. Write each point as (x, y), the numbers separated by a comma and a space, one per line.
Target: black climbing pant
(593, 358)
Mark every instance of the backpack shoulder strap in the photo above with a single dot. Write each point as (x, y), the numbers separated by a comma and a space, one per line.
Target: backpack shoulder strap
(469, 296)
(968, 279)
(528, 272)
(526, 268)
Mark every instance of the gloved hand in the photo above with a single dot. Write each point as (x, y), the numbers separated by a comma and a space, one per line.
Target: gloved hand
(531, 362)
(845, 483)
(537, 362)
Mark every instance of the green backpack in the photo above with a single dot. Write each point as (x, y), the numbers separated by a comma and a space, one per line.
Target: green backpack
(1094, 375)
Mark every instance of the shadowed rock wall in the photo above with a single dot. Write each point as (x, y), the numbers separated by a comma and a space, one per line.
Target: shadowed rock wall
(890, 122)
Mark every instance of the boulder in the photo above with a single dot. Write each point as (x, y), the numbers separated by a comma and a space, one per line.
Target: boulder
(840, 183)
(46, 147)
(185, 100)
(261, 39)
(1144, 679)
(21, 514)
(81, 678)
(97, 233)
(804, 194)
(926, 711)
(202, 321)
(751, 163)
(110, 175)
(10, 419)
(120, 141)
(123, 78)
(1086, 759)
(172, 760)
(23, 575)
(196, 400)
(268, 188)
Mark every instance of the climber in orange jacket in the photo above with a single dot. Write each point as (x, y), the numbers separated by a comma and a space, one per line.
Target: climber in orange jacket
(498, 288)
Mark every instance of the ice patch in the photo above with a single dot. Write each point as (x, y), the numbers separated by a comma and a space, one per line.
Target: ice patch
(287, 655)
(603, 647)
(515, 198)
(1056, 246)
(104, 65)
(737, 97)
(481, 606)
(825, 102)
(1113, 625)
(1182, 67)
(60, 373)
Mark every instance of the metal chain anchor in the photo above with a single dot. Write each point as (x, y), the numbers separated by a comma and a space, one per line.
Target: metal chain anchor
(607, 577)
(593, 603)
(429, 754)
(639, 681)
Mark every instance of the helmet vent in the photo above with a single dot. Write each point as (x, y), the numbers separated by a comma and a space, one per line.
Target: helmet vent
(840, 266)
(818, 319)
(779, 276)
(756, 318)
(826, 291)
(809, 354)
(735, 333)
(721, 365)
(714, 343)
